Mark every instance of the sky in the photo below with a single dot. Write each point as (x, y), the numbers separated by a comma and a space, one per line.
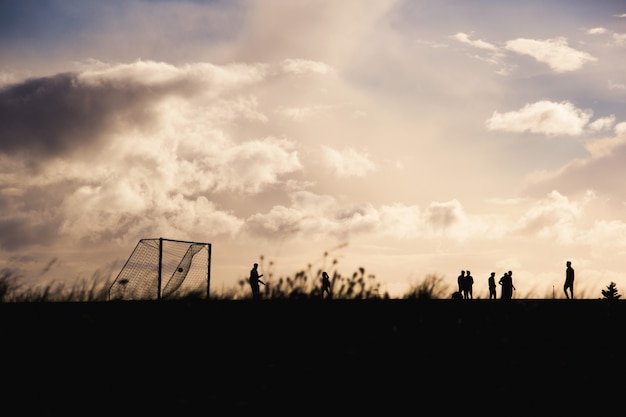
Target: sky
(407, 138)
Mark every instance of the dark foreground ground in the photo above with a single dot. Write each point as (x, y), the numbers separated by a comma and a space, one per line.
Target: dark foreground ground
(397, 357)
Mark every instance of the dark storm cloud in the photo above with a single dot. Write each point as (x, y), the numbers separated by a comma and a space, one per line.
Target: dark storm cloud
(20, 232)
(31, 217)
(51, 116)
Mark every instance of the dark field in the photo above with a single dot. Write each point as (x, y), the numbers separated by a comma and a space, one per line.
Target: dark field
(415, 357)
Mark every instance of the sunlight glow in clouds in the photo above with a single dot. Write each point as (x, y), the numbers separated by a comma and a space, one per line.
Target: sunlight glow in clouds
(380, 133)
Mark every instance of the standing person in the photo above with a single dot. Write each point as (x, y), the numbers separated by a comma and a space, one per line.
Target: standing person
(255, 280)
(511, 283)
(326, 285)
(569, 280)
(468, 286)
(492, 286)
(460, 281)
(507, 286)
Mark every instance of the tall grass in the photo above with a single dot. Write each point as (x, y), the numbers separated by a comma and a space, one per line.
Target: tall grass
(307, 285)
(13, 289)
(304, 284)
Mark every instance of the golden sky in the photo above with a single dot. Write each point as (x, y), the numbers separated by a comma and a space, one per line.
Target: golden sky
(405, 137)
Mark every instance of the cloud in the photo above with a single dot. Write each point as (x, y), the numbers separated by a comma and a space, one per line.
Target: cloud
(463, 37)
(544, 116)
(495, 56)
(316, 217)
(565, 220)
(553, 217)
(616, 86)
(64, 113)
(619, 38)
(554, 52)
(300, 114)
(597, 31)
(127, 151)
(604, 123)
(348, 163)
(304, 66)
(601, 172)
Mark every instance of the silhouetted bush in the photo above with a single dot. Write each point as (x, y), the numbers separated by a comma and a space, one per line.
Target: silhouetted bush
(432, 287)
(611, 292)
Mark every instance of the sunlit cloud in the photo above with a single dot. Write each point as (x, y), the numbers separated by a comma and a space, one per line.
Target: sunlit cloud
(547, 117)
(300, 114)
(597, 31)
(153, 145)
(303, 66)
(463, 37)
(554, 52)
(603, 123)
(552, 217)
(348, 162)
(494, 54)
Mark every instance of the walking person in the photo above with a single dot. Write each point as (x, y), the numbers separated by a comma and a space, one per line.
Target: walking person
(255, 280)
(326, 285)
(491, 281)
(569, 280)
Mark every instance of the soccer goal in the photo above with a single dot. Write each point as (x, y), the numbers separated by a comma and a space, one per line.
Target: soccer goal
(164, 268)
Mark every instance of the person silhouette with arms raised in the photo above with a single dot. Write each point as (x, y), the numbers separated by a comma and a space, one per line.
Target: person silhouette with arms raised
(507, 286)
(326, 286)
(569, 280)
(468, 291)
(491, 281)
(255, 280)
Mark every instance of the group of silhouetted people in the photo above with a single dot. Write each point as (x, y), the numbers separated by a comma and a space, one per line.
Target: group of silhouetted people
(465, 283)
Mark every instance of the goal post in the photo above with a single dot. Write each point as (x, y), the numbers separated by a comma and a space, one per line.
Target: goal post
(164, 269)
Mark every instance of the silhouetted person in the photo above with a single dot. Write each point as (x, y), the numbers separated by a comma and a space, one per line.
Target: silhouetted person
(326, 285)
(569, 280)
(460, 280)
(468, 285)
(491, 281)
(506, 281)
(255, 280)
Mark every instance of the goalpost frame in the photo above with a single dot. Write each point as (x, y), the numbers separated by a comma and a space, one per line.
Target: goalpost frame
(160, 263)
(208, 267)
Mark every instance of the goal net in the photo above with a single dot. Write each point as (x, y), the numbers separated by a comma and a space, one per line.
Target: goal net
(164, 268)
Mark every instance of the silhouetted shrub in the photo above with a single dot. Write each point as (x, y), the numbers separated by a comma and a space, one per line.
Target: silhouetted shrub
(431, 287)
(611, 292)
